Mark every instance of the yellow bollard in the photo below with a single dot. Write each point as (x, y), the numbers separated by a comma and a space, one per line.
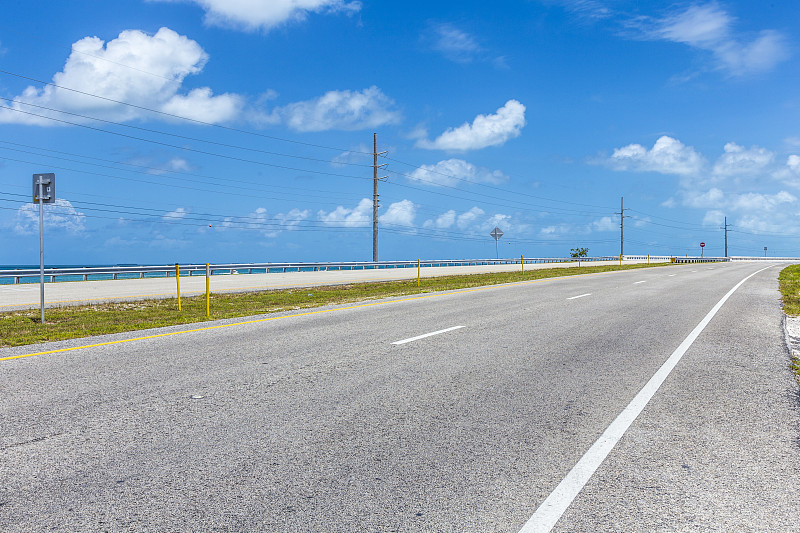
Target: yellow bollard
(208, 292)
(579, 260)
(178, 280)
(648, 259)
(418, 273)
(620, 259)
(522, 262)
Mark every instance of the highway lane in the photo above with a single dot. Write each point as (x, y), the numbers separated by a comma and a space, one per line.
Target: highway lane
(319, 423)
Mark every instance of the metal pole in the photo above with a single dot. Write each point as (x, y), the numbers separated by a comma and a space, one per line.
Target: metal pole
(41, 247)
(496, 248)
(726, 236)
(208, 291)
(178, 281)
(621, 230)
(375, 197)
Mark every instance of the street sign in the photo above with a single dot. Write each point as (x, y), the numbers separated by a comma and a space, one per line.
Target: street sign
(48, 190)
(496, 233)
(702, 245)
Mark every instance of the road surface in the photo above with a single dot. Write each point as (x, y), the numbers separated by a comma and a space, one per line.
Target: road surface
(458, 411)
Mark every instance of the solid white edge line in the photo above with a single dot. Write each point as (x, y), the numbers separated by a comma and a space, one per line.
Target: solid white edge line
(427, 335)
(579, 296)
(638, 282)
(552, 508)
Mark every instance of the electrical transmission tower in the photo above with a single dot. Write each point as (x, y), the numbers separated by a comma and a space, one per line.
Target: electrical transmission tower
(375, 195)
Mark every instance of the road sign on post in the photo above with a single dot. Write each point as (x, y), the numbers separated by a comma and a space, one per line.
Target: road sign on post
(702, 245)
(496, 233)
(44, 192)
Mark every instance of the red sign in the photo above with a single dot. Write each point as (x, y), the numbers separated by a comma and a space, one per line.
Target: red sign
(702, 245)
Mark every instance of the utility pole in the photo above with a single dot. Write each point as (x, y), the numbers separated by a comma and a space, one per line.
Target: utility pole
(725, 227)
(622, 217)
(375, 195)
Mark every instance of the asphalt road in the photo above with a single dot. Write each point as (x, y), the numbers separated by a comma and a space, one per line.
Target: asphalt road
(318, 422)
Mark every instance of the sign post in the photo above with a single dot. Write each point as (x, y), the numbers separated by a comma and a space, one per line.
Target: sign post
(44, 192)
(496, 233)
(702, 245)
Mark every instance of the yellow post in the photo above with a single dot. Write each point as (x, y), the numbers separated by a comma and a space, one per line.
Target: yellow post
(178, 280)
(208, 292)
(648, 259)
(579, 260)
(522, 262)
(620, 259)
(418, 268)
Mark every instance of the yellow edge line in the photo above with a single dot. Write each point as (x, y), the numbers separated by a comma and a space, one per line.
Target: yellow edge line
(457, 291)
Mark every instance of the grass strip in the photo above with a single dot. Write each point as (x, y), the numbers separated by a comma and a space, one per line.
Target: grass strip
(789, 286)
(18, 328)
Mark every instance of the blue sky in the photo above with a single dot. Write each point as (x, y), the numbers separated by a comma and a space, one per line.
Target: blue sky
(241, 131)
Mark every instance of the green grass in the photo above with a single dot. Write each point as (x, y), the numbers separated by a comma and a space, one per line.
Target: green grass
(789, 285)
(23, 327)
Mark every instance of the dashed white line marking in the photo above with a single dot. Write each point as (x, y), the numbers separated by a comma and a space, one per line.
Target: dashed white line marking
(671, 275)
(550, 511)
(638, 282)
(579, 296)
(418, 337)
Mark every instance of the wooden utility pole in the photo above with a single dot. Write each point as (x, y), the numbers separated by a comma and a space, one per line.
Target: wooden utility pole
(622, 217)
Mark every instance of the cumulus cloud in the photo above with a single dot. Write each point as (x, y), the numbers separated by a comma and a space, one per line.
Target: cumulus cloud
(715, 198)
(136, 68)
(738, 160)
(451, 171)
(60, 214)
(668, 156)
(260, 220)
(174, 216)
(400, 213)
(338, 110)
(709, 27)
(359, 216)
(251, 15)
(485, 130)
(443, 221)
(604, 224)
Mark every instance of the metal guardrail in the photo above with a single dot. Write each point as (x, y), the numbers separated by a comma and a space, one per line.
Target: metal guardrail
(132, 272)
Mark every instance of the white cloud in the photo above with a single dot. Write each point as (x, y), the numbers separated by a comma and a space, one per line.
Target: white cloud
(485, 130)
(136, 68)
(338, 110)
(714, 218)
(443, 221)
(400, 213)
(708, 27)
(668, 156)
(251, 15)
(359, 216)
(58, 215)
(451, 171)
(454, 44)
(604, 224)
(176, 215)
(289, 221)
(716, 199)
(738, 160)
(465, 220)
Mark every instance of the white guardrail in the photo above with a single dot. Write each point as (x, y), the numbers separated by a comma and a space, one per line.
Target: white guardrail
(131, 272)
(143, 271)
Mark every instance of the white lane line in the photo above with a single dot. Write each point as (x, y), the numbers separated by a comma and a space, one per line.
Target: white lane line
(427, 335)
(638, 282)
(560, 499)
(579, 296)
(671, 275)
